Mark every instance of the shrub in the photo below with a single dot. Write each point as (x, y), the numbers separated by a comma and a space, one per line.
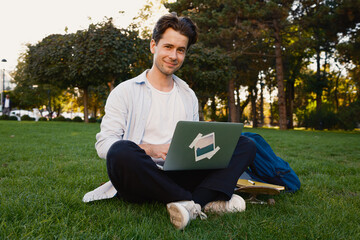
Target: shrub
(222, 118)
(77, 119)
(43, 119)
(322, 119)
(59, 119)
(13, 118)
(92, 120)
(349, 116)
(27, 118)
(4, 117)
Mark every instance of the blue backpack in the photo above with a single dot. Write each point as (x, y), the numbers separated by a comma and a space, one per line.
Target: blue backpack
(269, 168)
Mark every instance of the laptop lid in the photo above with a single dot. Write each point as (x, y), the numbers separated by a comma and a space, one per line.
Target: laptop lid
(202, 145)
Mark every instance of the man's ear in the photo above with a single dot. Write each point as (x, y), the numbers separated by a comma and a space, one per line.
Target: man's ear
(152, 46)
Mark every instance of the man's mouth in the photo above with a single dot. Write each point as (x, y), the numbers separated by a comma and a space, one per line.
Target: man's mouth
(171, 64)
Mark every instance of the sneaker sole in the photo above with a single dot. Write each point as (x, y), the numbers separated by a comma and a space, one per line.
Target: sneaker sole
(177, 217)
(239, 202)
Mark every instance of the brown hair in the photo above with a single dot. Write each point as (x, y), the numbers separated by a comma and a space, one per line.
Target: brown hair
(183, 25)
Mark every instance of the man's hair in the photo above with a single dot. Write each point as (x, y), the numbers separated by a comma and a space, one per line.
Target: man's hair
(183, 25)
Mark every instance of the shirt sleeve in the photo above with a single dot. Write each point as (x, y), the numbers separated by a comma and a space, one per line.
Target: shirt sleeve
(113, 124)
(195, 103)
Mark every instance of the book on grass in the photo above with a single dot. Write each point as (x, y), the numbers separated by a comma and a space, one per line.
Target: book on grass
(251, 183)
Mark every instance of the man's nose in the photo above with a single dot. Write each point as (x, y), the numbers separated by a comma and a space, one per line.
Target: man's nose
(173, 54)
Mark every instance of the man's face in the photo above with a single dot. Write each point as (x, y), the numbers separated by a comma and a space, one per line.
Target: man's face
(169, 53)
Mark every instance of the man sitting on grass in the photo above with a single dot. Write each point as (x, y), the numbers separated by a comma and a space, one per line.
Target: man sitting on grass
(140, 118)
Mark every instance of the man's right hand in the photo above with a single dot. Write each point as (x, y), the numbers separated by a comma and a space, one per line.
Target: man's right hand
(156, 150)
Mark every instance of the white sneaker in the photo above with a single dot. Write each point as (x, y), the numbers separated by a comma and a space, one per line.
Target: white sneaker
(235, 204)
(182, 212)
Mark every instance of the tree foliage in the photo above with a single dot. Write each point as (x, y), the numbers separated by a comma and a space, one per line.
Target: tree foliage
(307, 51)
(99, 55)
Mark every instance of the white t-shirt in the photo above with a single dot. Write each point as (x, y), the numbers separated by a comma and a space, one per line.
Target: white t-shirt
(7, 103)
(166, 110)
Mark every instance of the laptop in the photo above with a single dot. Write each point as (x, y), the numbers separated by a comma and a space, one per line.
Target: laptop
(202, 145)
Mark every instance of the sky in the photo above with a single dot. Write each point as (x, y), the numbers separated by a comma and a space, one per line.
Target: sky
(29, 21)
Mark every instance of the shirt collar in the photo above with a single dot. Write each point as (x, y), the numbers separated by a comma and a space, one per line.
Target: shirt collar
(141, 79)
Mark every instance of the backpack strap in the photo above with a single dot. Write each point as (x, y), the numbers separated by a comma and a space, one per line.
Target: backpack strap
(266, 179)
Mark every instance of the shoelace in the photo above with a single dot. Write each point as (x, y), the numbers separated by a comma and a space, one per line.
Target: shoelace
(197, 212)
(202, 215)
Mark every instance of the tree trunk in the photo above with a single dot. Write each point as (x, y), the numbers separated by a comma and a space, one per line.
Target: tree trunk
(271, 115)
(261, 104)
(231, 103)
(49, 104)
(290, 103)
(86, 99)
(94, 111)
(253, 107)
(237, 106)
(336, 92)
(280, 78)
(58, 110)
(271, 106)
(243, 106)
(318, 79)
(111, 84)
(213, 109)
(201, 103)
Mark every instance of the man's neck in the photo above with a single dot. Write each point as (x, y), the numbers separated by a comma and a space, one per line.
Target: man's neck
(158, 80)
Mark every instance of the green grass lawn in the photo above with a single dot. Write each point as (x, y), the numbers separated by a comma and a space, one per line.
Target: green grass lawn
(47, 167)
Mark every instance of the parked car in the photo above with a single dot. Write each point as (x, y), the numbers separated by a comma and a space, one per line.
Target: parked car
(19, 113)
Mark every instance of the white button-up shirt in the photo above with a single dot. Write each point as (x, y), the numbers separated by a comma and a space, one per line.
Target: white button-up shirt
(127, 109)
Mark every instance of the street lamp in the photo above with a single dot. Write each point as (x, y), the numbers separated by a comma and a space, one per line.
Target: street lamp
(3, 88)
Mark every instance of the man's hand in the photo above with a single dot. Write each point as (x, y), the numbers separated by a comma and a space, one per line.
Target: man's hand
(156, 150)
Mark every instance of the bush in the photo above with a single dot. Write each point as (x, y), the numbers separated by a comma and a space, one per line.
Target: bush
(43, 119)
(325, 118)
(13, 118)
(77, 119)
(349, 116)
(92, 120)
(4, 117)
(59, 119)
(27, 118)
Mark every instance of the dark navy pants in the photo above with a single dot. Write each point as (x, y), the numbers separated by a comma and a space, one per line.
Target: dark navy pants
(138, 179)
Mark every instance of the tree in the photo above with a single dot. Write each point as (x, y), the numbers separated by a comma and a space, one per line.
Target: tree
(317, 18)
(295, 60)
(239, 28)
(206, 72)
(27, 94)
(99, 55)
(219, 29)
(48, 60)
(102, 54)
(42, 73)
(349, 54)
(273, 16)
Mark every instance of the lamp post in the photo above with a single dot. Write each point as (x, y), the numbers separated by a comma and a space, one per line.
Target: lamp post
(3, 87)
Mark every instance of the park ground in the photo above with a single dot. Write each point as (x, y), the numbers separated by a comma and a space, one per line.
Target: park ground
(47, 167)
